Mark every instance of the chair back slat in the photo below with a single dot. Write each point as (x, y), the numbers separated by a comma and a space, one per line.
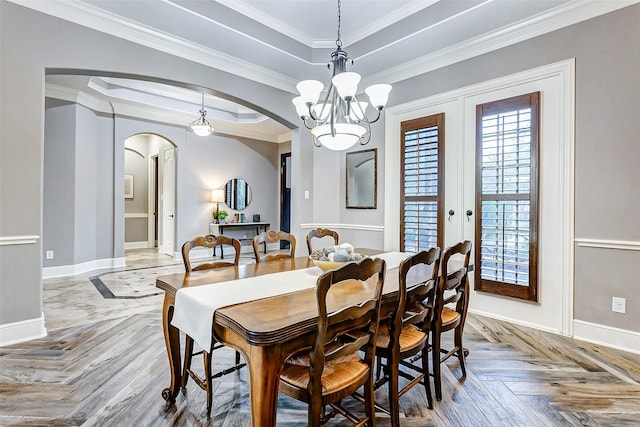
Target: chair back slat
(210, 242)
(320, 233)
(273, 236)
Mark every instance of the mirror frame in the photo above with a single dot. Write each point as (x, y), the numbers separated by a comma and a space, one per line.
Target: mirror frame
(350, 157)
(231, 199)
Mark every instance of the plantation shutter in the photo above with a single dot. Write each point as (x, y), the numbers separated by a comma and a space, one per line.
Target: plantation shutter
(422, 166)
(507, 197)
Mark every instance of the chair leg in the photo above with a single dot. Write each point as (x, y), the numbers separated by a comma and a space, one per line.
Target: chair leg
(460, 349)
(206, 357)
(435, 353)
(188, 355)
(369, 401)
(427, 380)
(394, 400)
(315, 412)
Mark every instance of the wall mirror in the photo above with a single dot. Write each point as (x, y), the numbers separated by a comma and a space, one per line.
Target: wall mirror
(237, 194)
(362, 179)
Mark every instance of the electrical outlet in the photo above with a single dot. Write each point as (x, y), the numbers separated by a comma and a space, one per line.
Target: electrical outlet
(618, 305)
(49, 255)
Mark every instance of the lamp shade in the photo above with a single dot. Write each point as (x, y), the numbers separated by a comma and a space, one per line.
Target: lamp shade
(301, 107)
(217, 195)
(346, 135)
(310, 90)
(378, 94)
(346, 83)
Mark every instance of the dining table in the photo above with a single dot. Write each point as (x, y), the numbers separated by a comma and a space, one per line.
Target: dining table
(267, 331)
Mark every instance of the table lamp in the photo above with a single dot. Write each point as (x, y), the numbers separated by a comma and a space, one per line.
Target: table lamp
(217, 196)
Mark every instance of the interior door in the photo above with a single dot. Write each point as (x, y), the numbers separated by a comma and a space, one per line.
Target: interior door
(168, 198)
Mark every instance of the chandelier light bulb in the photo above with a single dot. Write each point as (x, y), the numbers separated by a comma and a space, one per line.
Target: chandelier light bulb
(378, 95)
(346, 83)
(310, 90)
(357, 110)
(301, 107)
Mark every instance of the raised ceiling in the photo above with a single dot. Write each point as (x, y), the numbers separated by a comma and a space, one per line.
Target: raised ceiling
(279, 42)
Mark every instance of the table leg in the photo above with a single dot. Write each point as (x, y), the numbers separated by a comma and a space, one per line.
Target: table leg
(264, 365)
(172, 342)
(264, 377)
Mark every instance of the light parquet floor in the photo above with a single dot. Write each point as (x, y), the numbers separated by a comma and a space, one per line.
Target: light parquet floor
(103, 363)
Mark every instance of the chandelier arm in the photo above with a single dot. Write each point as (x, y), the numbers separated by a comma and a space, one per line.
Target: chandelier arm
(308, 126)
(368, 135)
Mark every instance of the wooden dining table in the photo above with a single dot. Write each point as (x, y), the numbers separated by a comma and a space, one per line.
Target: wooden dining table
(269, 330)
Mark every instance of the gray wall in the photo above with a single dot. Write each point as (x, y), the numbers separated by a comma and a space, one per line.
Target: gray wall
(51, 42)
(607, 199)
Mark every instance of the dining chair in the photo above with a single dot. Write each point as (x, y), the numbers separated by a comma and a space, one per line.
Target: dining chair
(272, 237)
(333, 369)
(210, 242)
(403, 337)
(320, 233)
(451, 303)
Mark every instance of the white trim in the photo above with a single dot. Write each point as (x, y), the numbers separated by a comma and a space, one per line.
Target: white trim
(135, 215)
(620, 339)
(106, 22)
(362, 227)
(18, 240)
(156, 114)
(626, 245)
(569, 13)
(90, 16)
(563, 75)
(72, 270)
(136, 245)
(24, 330)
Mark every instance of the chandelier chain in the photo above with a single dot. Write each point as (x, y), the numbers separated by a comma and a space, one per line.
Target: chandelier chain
(338, 41)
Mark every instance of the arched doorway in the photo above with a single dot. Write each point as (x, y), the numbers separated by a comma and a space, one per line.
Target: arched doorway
(150, 186)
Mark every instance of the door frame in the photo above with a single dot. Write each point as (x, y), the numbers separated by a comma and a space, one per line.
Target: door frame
(453, 102)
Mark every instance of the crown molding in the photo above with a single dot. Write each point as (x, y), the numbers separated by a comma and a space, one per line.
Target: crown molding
(563, 16)
(90, 16)
(95, 18)
(147, 112)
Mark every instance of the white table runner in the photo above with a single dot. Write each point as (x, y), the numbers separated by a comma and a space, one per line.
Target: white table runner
(195, 307)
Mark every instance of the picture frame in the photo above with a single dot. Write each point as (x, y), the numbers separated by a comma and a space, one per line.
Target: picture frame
(128, 186)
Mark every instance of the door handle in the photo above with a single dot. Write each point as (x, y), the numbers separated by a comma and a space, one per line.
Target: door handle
(451, 213)
(469, 213)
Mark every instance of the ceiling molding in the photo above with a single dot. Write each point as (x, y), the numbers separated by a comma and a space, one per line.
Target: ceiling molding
(268, 21)
(147, 112)
(560, 17)
(92, 17)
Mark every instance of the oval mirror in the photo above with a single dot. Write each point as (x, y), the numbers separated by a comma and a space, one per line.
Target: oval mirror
(237, 194)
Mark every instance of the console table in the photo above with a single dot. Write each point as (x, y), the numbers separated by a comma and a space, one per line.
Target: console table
(217, 229)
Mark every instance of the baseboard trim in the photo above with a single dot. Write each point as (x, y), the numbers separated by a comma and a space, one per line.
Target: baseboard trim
(25, 330)
(72, 270)
(516, 321)
(619, 339)
(136, 245)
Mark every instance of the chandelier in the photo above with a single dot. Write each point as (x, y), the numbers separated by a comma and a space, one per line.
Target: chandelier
(201, 125)
(339, 120)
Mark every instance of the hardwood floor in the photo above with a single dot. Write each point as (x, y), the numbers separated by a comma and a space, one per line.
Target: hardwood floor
(103, 363)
